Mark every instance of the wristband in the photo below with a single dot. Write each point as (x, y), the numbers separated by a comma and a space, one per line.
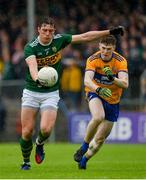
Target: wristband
(98, 90)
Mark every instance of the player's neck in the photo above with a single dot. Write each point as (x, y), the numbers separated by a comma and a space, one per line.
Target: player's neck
(106, 59)
(42, 43)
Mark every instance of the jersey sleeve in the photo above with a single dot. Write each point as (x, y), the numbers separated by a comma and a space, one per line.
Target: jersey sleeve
(28, 51)
(122, 66)
(67, 38)
(90, 65)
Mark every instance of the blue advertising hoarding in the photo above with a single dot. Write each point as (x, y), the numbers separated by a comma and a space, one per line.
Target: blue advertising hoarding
(130, 128)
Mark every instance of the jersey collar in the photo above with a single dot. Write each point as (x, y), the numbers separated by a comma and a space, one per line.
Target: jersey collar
(108, 60)
(44, 44)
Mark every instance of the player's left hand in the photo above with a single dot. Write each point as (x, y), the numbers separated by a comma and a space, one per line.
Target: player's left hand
(109, 73)
(104, 92)
(41, 83)
(117, 30)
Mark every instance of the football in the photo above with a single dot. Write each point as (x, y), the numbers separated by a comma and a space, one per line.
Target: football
(48, 76)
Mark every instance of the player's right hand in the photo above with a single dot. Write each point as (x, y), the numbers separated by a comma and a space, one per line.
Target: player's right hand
(117, 30)
(109, 73)
(104, 92)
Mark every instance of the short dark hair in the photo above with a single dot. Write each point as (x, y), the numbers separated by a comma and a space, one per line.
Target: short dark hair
(108, 40)
(46, 20)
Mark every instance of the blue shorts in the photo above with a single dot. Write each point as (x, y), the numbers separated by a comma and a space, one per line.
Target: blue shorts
(111, 110)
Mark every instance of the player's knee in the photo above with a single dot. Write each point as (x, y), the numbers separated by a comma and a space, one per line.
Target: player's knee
(98, 116)
(27, 132)
(46, 130)
(94, 123)
(98, 119)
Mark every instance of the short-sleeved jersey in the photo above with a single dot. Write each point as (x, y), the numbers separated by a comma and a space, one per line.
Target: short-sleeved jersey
(46, 55)
(117, 63)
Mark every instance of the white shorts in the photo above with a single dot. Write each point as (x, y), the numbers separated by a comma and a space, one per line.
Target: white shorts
(40, 100)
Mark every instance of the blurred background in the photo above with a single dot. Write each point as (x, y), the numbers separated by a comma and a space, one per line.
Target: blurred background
(17, 26)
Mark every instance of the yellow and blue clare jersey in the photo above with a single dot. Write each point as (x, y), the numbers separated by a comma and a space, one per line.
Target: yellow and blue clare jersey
(117, 63)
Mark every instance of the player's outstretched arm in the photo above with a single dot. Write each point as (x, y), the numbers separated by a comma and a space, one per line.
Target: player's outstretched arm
(93, 35)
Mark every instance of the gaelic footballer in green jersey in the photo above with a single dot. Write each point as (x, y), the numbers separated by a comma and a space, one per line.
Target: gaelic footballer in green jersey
(48, 55)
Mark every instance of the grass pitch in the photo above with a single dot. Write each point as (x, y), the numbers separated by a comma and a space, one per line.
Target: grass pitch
(113, 161)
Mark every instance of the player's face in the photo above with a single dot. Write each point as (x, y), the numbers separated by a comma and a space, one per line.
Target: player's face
(46, 32)
(106, 51)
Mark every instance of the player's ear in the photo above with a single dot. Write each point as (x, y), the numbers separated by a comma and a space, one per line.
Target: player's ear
(54, 30)
(114, 47)
(39, 29)
(99, 45)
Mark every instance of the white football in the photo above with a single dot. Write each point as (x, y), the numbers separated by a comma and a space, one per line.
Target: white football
(48, 76)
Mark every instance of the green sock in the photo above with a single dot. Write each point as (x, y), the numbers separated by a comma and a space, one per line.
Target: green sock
(42, 137)
(26, 148)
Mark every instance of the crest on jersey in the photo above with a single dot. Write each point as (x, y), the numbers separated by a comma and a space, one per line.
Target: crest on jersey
(54, 49)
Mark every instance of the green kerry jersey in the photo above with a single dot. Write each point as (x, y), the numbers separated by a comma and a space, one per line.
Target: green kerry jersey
(46, 55)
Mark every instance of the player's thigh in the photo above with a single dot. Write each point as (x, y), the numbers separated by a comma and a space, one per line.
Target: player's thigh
(49, 100)
(48, 118)
(104, 129)
(28, 115)
(49, 107)
(96, 108)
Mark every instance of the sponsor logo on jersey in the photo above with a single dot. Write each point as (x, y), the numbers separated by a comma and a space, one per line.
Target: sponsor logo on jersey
(49, 60)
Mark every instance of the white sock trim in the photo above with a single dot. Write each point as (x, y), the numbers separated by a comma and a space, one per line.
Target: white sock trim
(38, 143)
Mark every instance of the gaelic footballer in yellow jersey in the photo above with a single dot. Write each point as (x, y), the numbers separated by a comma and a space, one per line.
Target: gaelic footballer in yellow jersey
(117, 64)
(105, 77)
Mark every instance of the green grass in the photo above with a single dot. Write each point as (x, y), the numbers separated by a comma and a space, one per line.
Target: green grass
(113, 161)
